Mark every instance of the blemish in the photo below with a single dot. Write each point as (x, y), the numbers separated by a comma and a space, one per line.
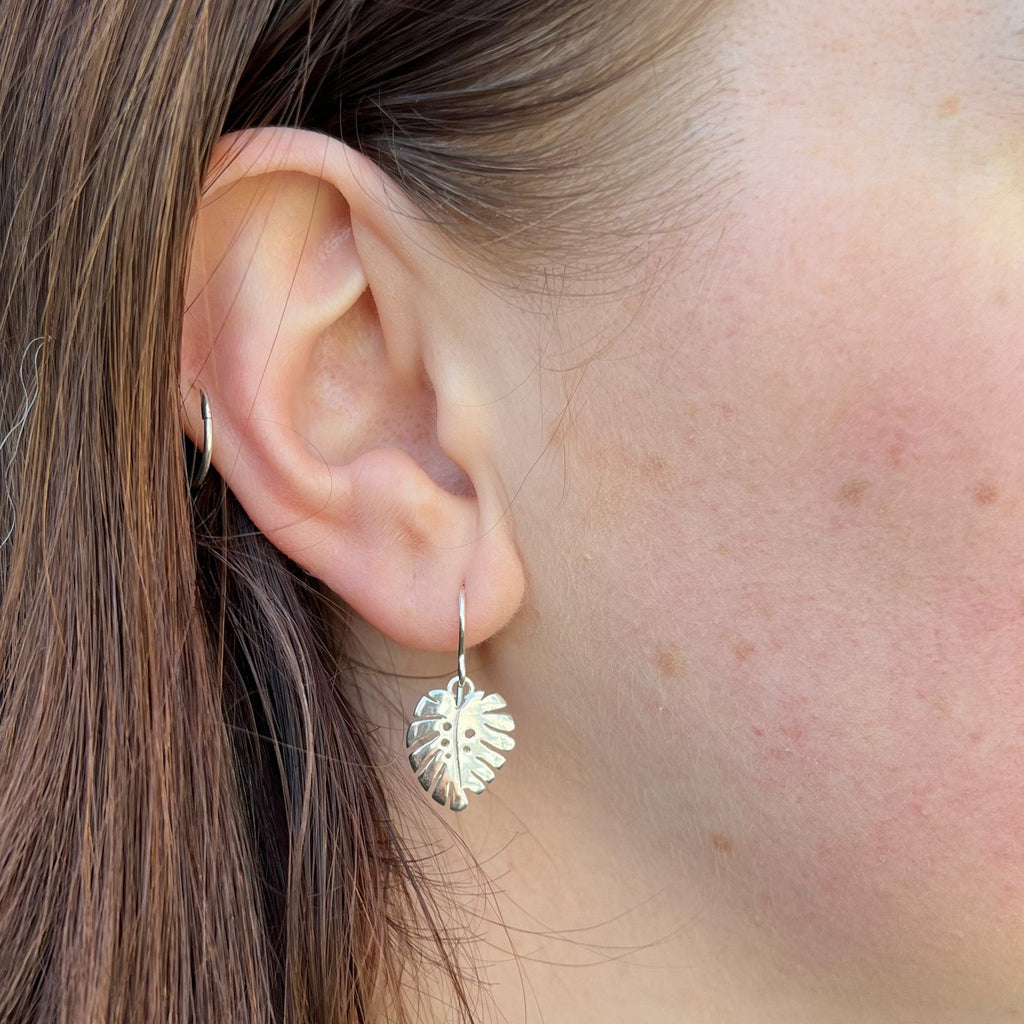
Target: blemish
(743, 650)
(722, 843)
(671, 663)
(986, 493)
(756, 731)
(852, 492)
(950, 106)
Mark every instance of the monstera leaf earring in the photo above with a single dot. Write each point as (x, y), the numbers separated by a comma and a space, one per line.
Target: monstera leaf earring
(458, 734)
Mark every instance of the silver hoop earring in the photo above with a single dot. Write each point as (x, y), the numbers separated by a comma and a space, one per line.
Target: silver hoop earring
(199, 476)
(457, 734)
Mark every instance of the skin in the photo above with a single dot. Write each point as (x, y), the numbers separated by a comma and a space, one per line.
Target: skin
(765, 493)
(768, 681)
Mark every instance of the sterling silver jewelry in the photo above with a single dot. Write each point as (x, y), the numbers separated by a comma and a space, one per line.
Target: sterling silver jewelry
(207, 452)
(458, 733)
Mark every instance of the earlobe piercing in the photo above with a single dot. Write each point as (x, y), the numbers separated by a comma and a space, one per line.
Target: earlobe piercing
(457, 736)
(458, 733)
(205, 456)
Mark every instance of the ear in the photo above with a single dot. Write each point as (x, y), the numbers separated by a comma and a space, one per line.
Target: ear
(307, 329)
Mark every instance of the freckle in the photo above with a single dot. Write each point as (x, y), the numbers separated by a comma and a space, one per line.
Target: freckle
(723, 549)
(721, 842)
(1001, 297)
(658, 471)
(653, 464)
(950, 106)
(743, 650)
(671, 664)
(852, 492)
(986, 493)
(895, 454)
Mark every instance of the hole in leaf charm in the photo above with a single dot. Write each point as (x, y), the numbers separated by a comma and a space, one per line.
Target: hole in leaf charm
(480, 730)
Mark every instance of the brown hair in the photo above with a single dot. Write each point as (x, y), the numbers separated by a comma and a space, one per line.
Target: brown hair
(193, 825)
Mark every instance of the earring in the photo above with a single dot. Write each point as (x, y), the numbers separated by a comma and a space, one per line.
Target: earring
(457, 734)
(199, 475)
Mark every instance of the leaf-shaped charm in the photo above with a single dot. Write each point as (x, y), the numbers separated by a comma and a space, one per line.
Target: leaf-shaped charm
(456, 739)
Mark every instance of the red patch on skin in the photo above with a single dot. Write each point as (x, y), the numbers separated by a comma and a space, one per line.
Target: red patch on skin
(986, 493)
(795, 731)
(879, 430)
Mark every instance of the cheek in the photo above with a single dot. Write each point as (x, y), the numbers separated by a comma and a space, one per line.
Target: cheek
(875, 726)
(828, 526)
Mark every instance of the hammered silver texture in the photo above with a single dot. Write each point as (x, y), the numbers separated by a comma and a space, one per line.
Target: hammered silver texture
(455, 741)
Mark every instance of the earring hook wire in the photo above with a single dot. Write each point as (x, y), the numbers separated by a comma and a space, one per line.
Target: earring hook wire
(462, 636)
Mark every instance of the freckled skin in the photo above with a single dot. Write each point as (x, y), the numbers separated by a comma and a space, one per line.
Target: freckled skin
(949, 107)
(986, 493)
(722, 843)
(800, 488)
(852, 492)
(671, 664)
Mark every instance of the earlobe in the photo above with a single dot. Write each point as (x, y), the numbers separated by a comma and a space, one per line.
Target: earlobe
(325, 415)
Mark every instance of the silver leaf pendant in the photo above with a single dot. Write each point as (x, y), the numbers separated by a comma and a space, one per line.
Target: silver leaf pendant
(455, 741)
